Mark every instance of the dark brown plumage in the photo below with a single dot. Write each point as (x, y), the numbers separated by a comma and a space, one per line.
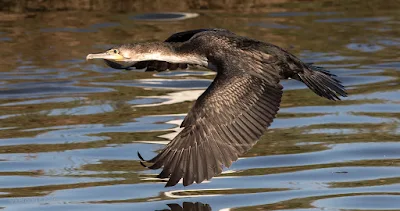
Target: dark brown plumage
(188, 206)
(235, 110)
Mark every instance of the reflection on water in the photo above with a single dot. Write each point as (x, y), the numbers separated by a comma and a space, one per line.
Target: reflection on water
(166, 16)
(70, 130)
(374, 202)
(353, 20)
(188, 206)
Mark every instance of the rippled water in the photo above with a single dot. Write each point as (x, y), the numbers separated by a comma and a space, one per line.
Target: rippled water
(70, 129)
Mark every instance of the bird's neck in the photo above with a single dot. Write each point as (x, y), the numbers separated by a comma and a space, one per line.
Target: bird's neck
(174, 53)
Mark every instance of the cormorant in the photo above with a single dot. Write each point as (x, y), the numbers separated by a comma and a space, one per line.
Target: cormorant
(235, 110)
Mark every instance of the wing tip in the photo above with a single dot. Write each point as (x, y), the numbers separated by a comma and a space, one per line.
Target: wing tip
(169, 184)
(323, 83)
(140, 156)
(142, 160)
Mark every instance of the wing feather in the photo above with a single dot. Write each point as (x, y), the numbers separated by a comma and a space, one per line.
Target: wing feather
(225, 122)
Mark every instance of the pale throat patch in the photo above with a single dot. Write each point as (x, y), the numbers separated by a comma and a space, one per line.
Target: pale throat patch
(187, 59)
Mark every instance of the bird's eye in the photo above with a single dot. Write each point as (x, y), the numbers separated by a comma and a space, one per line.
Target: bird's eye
(116, 51)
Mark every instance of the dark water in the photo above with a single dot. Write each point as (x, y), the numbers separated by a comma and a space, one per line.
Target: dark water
(70, 129)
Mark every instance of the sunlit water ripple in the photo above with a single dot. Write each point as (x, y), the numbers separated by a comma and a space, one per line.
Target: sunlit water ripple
(70, 130)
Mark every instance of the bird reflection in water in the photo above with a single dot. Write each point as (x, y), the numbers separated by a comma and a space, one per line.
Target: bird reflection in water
(188, 206)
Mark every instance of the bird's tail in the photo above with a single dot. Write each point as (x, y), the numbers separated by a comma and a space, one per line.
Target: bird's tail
(322, 82)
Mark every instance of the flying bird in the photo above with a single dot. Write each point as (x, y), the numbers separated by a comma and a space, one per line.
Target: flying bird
(236, 109)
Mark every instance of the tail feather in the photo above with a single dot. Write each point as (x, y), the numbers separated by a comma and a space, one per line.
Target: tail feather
(322, 82)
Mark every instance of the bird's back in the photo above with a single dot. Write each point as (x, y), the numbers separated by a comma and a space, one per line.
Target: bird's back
(226, 49)
(235, 55)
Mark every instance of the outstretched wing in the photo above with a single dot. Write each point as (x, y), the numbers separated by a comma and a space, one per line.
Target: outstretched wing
(162, 65)
(158, 66)
(186, 35)
(224, 123)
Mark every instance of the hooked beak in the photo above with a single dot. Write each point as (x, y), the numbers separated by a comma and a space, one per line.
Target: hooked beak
(106, 55)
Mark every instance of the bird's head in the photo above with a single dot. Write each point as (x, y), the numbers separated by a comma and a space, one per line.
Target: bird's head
(126, 55)
(122, 53)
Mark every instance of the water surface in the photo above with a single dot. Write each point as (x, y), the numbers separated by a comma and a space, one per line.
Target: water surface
(70, 129)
